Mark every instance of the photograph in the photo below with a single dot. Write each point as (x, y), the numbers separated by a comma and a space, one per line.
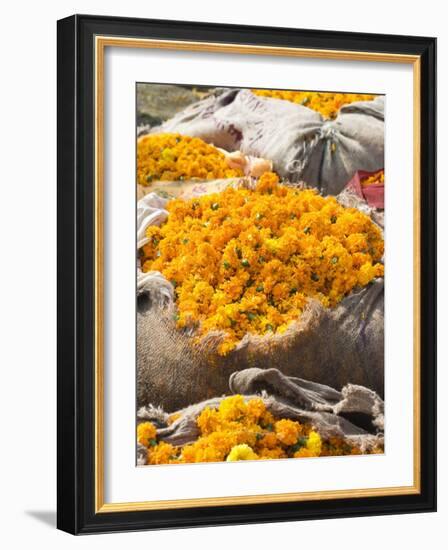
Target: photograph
(260, 272)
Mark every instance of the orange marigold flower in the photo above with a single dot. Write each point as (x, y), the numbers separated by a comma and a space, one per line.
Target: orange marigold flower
(146, 432)
(255, 409)
(208, 421)
(287, 431)
(162, 453)
(269, 440)
(314, 443)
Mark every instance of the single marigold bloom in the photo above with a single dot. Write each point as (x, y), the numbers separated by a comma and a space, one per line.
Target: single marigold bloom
(146, 432)
(241, 452)
(162, 453)
(232, 408)
(314, 443)
(268, 440)
(247, 261)
(173, 157)
(255, 409)
(287, 431)
(326, 103)
(208, 421)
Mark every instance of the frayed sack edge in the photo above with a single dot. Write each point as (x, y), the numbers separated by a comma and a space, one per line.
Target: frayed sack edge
(324, 415)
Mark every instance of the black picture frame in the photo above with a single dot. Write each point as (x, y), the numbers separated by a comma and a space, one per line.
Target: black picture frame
(76, 289)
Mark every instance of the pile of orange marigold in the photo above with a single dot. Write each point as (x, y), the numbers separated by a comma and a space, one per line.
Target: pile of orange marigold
(326, 103)
(242, 429)
(173, 157)
(248, 260)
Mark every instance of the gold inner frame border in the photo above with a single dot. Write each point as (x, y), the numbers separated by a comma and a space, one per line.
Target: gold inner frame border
(101, 42)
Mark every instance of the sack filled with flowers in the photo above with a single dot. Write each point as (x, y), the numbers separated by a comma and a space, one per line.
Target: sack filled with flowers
(328, 104)
(322, 146)
(263, 275)
(269, 416)
(369, 186)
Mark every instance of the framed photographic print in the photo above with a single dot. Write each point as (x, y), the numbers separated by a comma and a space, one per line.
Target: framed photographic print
(246, 274)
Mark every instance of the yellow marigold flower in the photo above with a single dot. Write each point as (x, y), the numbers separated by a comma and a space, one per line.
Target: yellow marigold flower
(172, 157)
(241, 452)
(314, 443)
(146, 432)
(287, 431)
(326, 103)
(366, 273)
(233, 408)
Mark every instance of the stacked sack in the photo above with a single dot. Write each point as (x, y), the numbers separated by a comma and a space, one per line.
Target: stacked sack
(302, 145)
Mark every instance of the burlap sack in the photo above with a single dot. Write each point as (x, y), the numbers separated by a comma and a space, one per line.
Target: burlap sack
(355, 414)
(301, 144)
(329, 346)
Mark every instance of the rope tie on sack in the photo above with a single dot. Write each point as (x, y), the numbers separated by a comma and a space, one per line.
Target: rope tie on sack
(329, 134)
(327, 130)
(304, 151)
(306, 147)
